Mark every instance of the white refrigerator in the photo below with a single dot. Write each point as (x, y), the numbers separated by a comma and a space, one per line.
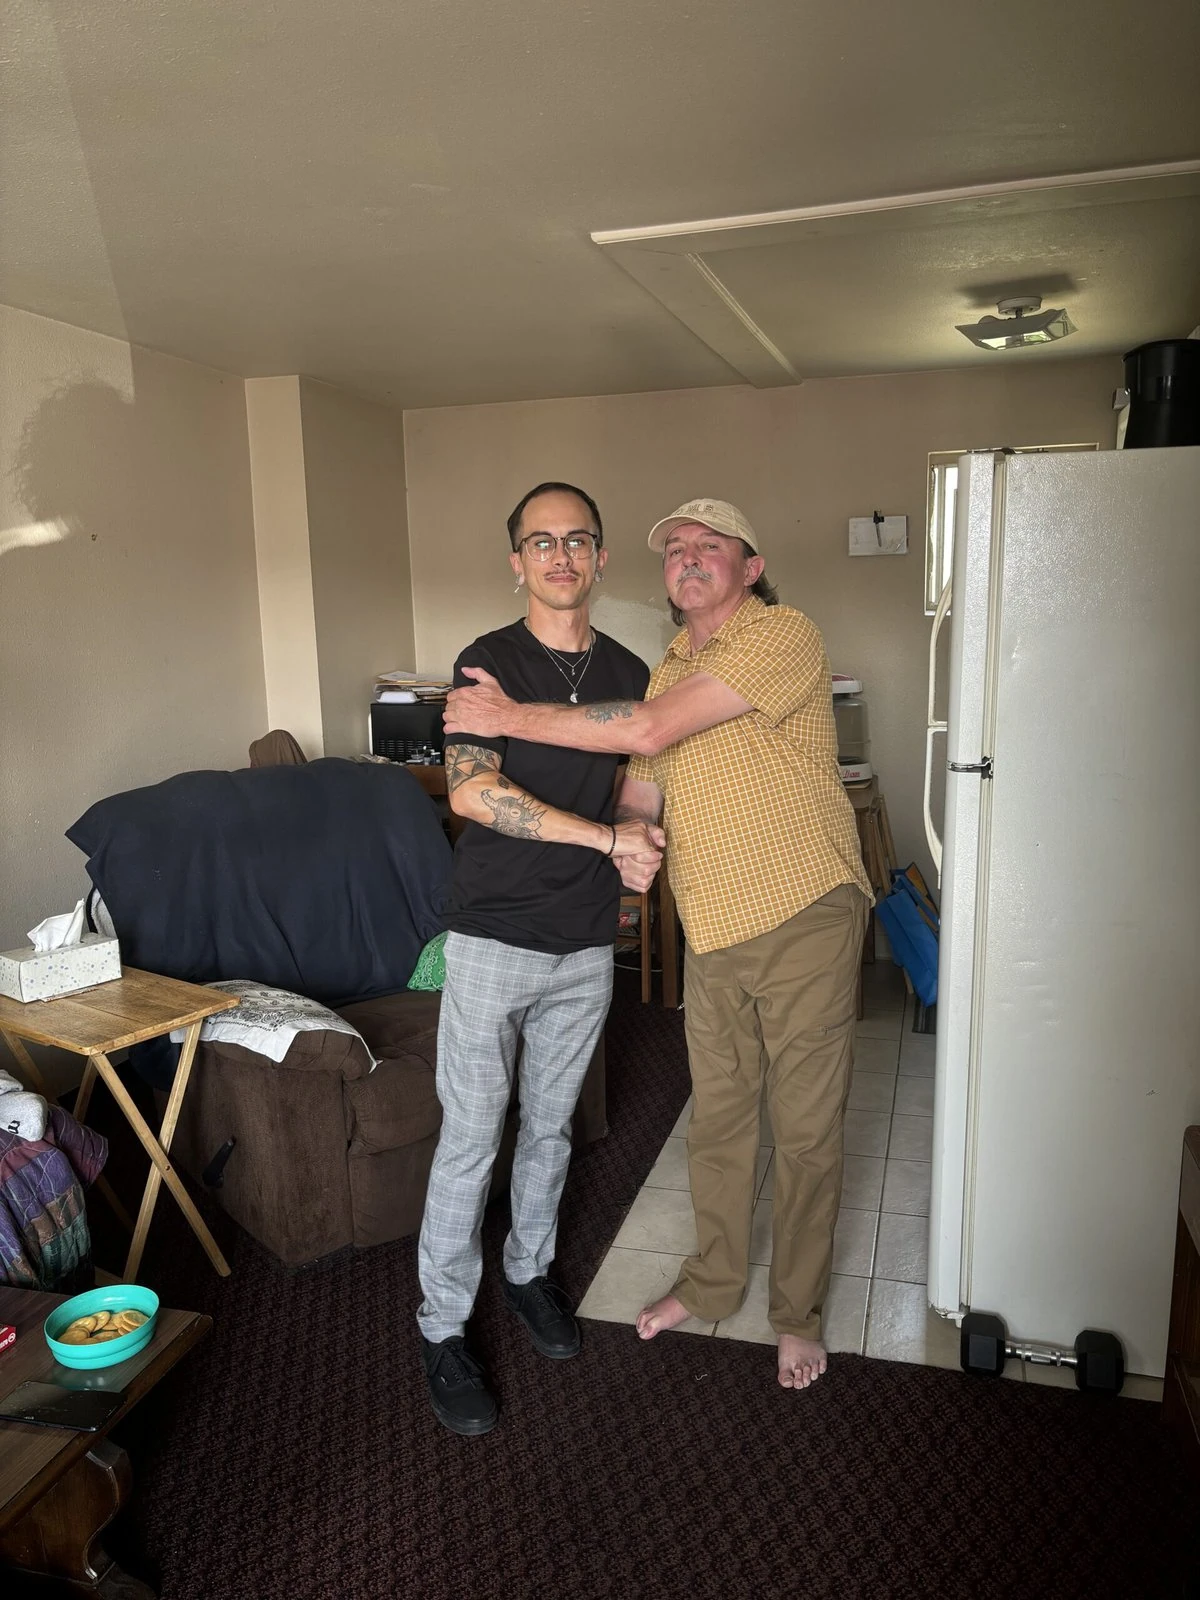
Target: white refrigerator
(1068, 1020)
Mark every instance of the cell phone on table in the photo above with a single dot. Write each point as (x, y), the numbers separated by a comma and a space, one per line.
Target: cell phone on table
(51, 1406)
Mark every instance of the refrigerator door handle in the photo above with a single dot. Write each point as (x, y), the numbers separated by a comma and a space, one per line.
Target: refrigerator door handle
(935, 844)
(933, 726)
(983, 768)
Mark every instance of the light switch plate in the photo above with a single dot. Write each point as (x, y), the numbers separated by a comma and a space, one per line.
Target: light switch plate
(871, 538)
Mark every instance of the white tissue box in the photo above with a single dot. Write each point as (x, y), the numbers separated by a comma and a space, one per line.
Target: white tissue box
(30, 974)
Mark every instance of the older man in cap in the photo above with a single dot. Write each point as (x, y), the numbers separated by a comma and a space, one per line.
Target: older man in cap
(735, 748)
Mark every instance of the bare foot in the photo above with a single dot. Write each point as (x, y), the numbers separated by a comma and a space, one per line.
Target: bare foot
(663, 1314)
(801, 1361)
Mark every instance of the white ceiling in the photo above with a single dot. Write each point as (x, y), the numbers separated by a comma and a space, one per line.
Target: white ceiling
(837, 291)
(399, 198)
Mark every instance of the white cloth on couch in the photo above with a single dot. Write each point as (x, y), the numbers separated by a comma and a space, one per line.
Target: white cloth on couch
(267, 1020)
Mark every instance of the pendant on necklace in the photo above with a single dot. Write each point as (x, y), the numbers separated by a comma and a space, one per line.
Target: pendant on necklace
(574, 698)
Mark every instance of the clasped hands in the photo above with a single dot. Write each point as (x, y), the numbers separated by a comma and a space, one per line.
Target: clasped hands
(483, 708)
(638, 851)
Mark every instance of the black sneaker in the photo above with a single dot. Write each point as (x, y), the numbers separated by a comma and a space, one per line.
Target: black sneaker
(461, 1398)
(545, 1310)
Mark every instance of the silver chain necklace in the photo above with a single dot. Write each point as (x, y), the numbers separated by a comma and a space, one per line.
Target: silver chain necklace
(572, 676)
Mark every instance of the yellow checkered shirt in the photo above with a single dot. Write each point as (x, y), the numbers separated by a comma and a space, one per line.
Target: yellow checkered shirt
(758, 823)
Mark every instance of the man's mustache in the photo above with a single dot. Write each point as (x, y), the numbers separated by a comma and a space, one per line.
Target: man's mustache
(692, 572)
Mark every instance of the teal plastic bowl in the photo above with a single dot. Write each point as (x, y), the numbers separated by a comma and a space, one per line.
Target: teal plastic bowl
(113, 1297)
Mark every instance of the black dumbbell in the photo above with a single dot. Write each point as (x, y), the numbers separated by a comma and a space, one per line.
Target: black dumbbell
(1098, 1358)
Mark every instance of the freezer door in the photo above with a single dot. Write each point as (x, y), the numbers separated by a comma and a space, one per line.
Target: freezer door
(1087, 1026)
(967, 735)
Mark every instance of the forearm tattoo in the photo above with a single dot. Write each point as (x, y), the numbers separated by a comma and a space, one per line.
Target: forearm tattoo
(607, 710)
(466, 761)
(517, 815)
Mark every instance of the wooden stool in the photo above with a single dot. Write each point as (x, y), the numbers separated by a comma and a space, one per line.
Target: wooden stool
(658, 929)
(878, 853)
(874, 836)
(629, 938)
(875, 841)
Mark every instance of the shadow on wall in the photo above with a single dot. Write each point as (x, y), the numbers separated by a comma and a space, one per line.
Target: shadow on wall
(78, 601)
(70, 469)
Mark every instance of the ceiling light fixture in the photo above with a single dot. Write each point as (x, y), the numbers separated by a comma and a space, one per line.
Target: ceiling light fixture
(1021, 321)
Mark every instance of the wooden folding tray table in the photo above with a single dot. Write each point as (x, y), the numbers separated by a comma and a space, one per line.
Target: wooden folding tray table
(95, 1022)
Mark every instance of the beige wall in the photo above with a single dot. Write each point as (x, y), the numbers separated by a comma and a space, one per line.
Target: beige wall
(799, 461)
(130, 649)
(358, 542)
(331, 532)
(284, 560)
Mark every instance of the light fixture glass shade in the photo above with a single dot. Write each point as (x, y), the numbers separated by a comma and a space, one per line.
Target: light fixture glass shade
(1010, 333)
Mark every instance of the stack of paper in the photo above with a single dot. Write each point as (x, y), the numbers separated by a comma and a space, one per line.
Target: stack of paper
(407, 688)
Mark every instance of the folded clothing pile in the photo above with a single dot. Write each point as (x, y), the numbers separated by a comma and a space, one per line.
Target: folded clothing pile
(44, 1237)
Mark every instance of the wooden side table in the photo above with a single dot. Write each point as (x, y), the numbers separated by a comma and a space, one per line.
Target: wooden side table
(59, 1490)
(95, 1022)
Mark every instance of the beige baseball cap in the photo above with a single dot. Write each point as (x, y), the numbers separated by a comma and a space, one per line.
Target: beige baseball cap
(718, 515)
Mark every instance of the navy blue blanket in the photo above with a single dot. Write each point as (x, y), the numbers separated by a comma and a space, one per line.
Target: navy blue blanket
(326, 879)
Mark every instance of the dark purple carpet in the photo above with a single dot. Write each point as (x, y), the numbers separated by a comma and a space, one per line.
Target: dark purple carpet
(294, 1455)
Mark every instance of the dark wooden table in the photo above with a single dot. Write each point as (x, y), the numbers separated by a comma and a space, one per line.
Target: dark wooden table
(60, 1490)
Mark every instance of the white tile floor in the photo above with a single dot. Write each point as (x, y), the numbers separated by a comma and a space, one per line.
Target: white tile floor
(877, 1305)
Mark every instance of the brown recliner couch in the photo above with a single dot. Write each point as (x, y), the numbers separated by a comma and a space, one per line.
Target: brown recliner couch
(328, 1153)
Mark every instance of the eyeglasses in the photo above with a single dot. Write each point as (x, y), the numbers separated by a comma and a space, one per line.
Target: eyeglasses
(543, 546)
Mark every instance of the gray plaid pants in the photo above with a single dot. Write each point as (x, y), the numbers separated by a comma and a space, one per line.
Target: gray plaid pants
(496, 994)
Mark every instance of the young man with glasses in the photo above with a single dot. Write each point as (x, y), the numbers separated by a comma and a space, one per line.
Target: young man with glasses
(532, 920)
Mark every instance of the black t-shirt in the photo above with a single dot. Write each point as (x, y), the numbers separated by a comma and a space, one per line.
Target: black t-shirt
(550, 897)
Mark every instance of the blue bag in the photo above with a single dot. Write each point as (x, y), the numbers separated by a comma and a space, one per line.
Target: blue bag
(911, 923)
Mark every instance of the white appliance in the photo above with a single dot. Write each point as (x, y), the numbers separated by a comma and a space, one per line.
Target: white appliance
(1068, 1039)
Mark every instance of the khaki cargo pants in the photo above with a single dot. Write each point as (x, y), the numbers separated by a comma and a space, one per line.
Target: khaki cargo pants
(776, 1011)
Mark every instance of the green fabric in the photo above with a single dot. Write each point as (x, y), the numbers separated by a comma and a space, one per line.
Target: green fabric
(430, 970)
